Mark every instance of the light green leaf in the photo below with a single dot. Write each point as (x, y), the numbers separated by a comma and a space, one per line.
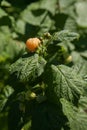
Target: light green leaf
(66, 6)
(33, 15)
(76, 57)
(20, 26)
(70, 24)
(48, 5)
(84, 53)
(9, 48)
(83, 102)
(5, 32)
(66, 35)
(81, 67)
(2, 13)
(81, 9)
(5, 3)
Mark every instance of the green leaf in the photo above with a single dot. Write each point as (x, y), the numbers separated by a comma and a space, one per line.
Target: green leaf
(33, 15)
(81, 9)
(6, 92)
(81, 67)
(48, 5)
(84, 54)
(83, 102)
(28, 68)
(76, 57)
(57, 54)
(70, 24)
(77, 119)
(36, 13)
(5, 32)
(20, 26)
(66, 35)
(63, 82)
(2, 13)
(10, 49)
(27, 126)
(5, 3)
(66, 6)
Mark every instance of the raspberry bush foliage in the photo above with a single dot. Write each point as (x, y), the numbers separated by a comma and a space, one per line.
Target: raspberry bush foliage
(45, 89)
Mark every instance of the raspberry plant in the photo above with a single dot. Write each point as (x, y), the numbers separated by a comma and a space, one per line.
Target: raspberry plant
(44, 89)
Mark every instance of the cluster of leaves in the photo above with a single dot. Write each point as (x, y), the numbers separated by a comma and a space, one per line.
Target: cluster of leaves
(45, 89)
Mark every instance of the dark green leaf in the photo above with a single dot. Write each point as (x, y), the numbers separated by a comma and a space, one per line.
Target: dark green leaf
(28, 68)
(27, 126)
(63, 82)
(47, 116)
(7, 91)
(77, 119)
